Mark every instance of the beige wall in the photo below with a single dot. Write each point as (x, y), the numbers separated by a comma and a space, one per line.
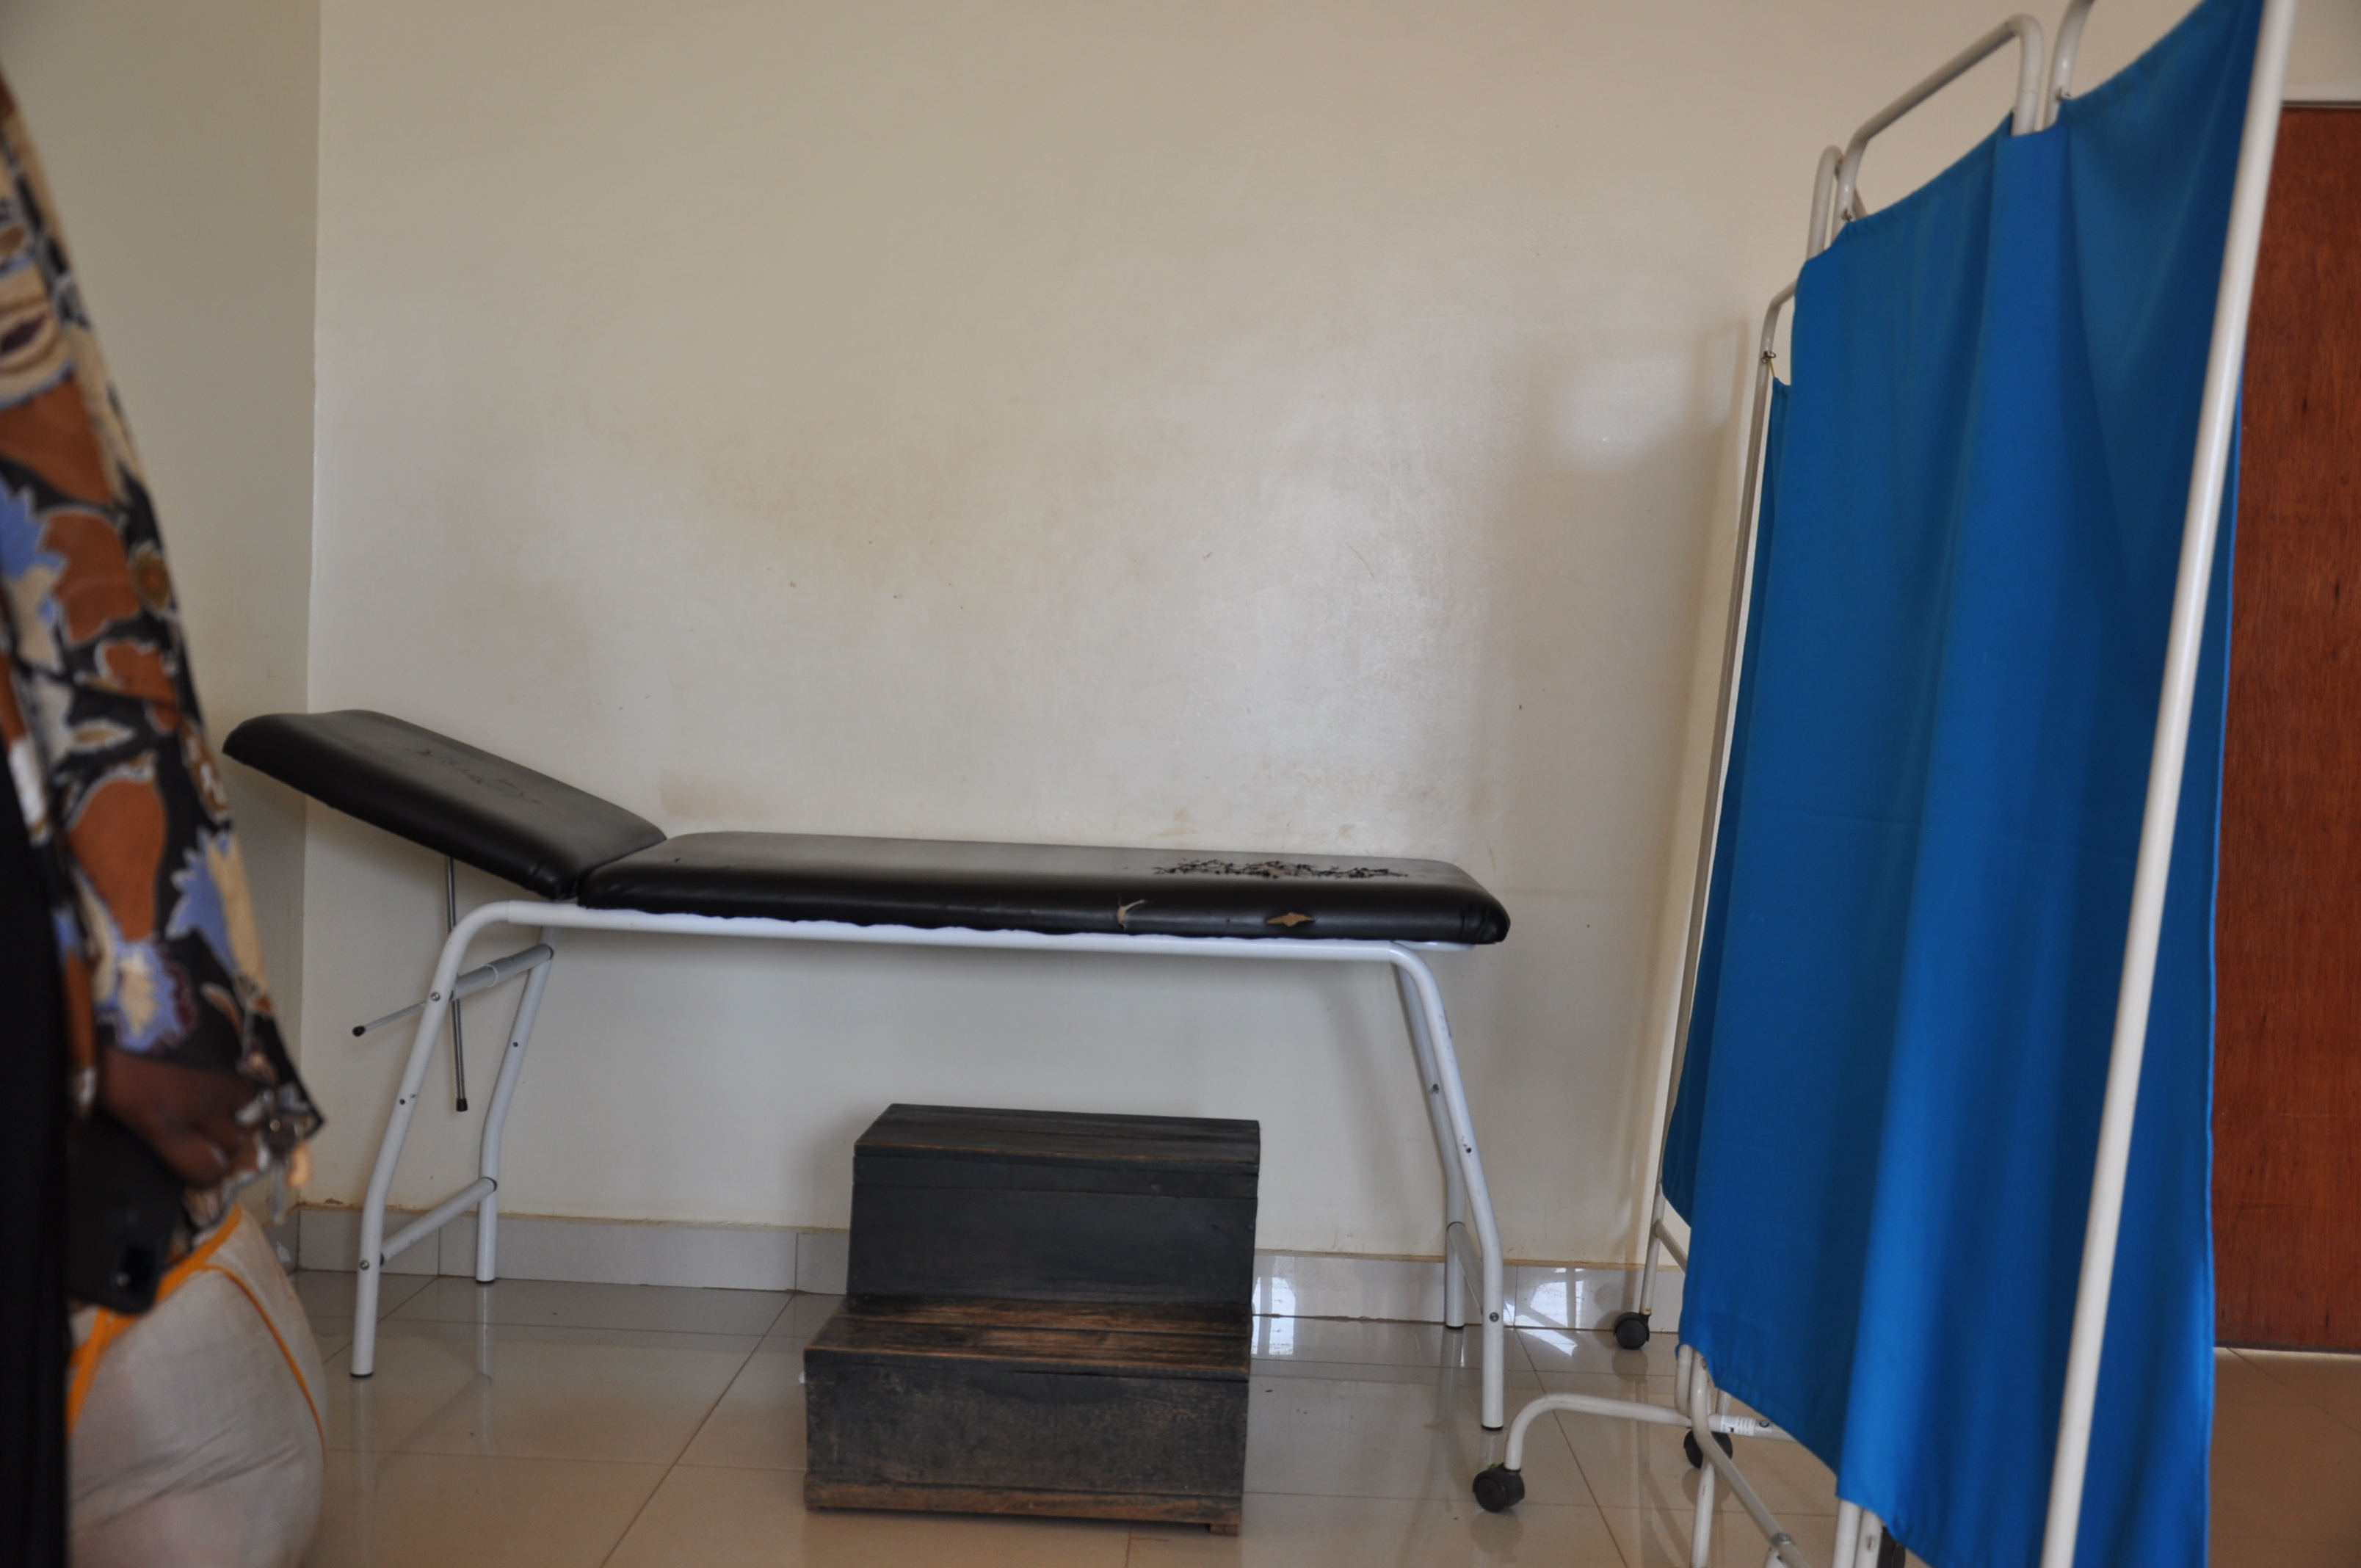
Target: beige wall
(1308, 426)
(1303, 426)
(180, 141)
(2324, 62)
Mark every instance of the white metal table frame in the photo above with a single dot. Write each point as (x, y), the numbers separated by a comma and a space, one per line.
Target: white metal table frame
(1836, 199)
(1473, 1269)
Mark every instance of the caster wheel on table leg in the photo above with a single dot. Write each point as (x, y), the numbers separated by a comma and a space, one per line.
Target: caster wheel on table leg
(1631, 1330)
(1721, 1440)
(1500, 1488)
(1890, 1553)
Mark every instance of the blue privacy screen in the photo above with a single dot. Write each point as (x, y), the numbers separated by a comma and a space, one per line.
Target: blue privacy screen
(1888, 1115)
(1688, 1123)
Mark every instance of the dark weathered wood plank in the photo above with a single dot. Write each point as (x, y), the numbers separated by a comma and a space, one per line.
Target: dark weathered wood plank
(1064, 1136)
(984, 1428)
(1047, 1314)
(1080, 1247)
(1220, 1515)
(1131, 1317)
(1122, 1341)
(1022, 1173)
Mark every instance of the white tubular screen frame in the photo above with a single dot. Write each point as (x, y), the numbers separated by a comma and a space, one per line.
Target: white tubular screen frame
(1824, 202)
(2061, 59)
(1733, 651)
(2024, 119)
(1742, 584)
(2217, 420)
(1625, 1410)
(1741, 587)
(1704, 1417)
(1430, 1030)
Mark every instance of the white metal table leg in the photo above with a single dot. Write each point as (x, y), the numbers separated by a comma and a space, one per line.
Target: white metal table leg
(488, 1213)
(1466, 1190)
(397, 1128)
(1455, 1179)
(1479, 1192)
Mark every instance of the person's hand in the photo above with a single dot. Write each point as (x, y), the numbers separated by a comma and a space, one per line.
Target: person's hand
(187, 1114)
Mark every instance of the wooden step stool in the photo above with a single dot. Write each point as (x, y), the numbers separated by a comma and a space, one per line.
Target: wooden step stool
(1046, 1313)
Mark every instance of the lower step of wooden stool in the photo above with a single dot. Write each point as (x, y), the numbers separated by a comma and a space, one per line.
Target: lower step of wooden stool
(1077, 1410)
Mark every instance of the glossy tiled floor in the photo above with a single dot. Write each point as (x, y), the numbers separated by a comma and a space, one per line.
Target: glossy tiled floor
(531, 1423)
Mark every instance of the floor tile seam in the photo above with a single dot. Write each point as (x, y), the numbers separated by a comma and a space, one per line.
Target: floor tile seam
(394, 1445)
(1342, 1372)
(466, 1390)
(778, 1317)
(1462, 1495)
(663, 1339)
(2349, 1423)
(402, 1315)
(1470, 1391)
(407, 1445)
(633, 1523)
(411, 1447)
(2264, 1367)
(1134, 1538)
(1451, 1500)
(388, 1312)
(1471, 1368)
(685, 1462)
(1615, 1541)
(1725, 1500)
(1557, 1419)
(425, 1282)
(521, 1459)
(711, 1410)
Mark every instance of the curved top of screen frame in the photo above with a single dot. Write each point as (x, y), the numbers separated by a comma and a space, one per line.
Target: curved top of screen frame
(1836, 186)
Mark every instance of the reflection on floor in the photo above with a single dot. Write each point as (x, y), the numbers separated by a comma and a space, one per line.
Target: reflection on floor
(531, 1422)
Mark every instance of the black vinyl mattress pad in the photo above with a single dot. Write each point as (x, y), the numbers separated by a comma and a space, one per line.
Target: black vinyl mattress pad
(560, 842)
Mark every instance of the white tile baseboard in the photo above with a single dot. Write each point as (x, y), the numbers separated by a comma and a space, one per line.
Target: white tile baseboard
(609, 1251)
(761, 1257)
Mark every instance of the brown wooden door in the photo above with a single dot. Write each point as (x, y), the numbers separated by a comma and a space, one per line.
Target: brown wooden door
(2287, 1111)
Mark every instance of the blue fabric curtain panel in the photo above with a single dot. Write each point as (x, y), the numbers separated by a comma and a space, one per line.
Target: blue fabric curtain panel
(1687, 1127)
(1889, 1112)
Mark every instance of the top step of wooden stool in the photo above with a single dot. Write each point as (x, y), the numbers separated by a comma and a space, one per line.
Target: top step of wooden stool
(1054, 1206)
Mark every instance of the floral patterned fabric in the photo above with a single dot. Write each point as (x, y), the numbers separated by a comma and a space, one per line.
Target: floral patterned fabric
(119, 790)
